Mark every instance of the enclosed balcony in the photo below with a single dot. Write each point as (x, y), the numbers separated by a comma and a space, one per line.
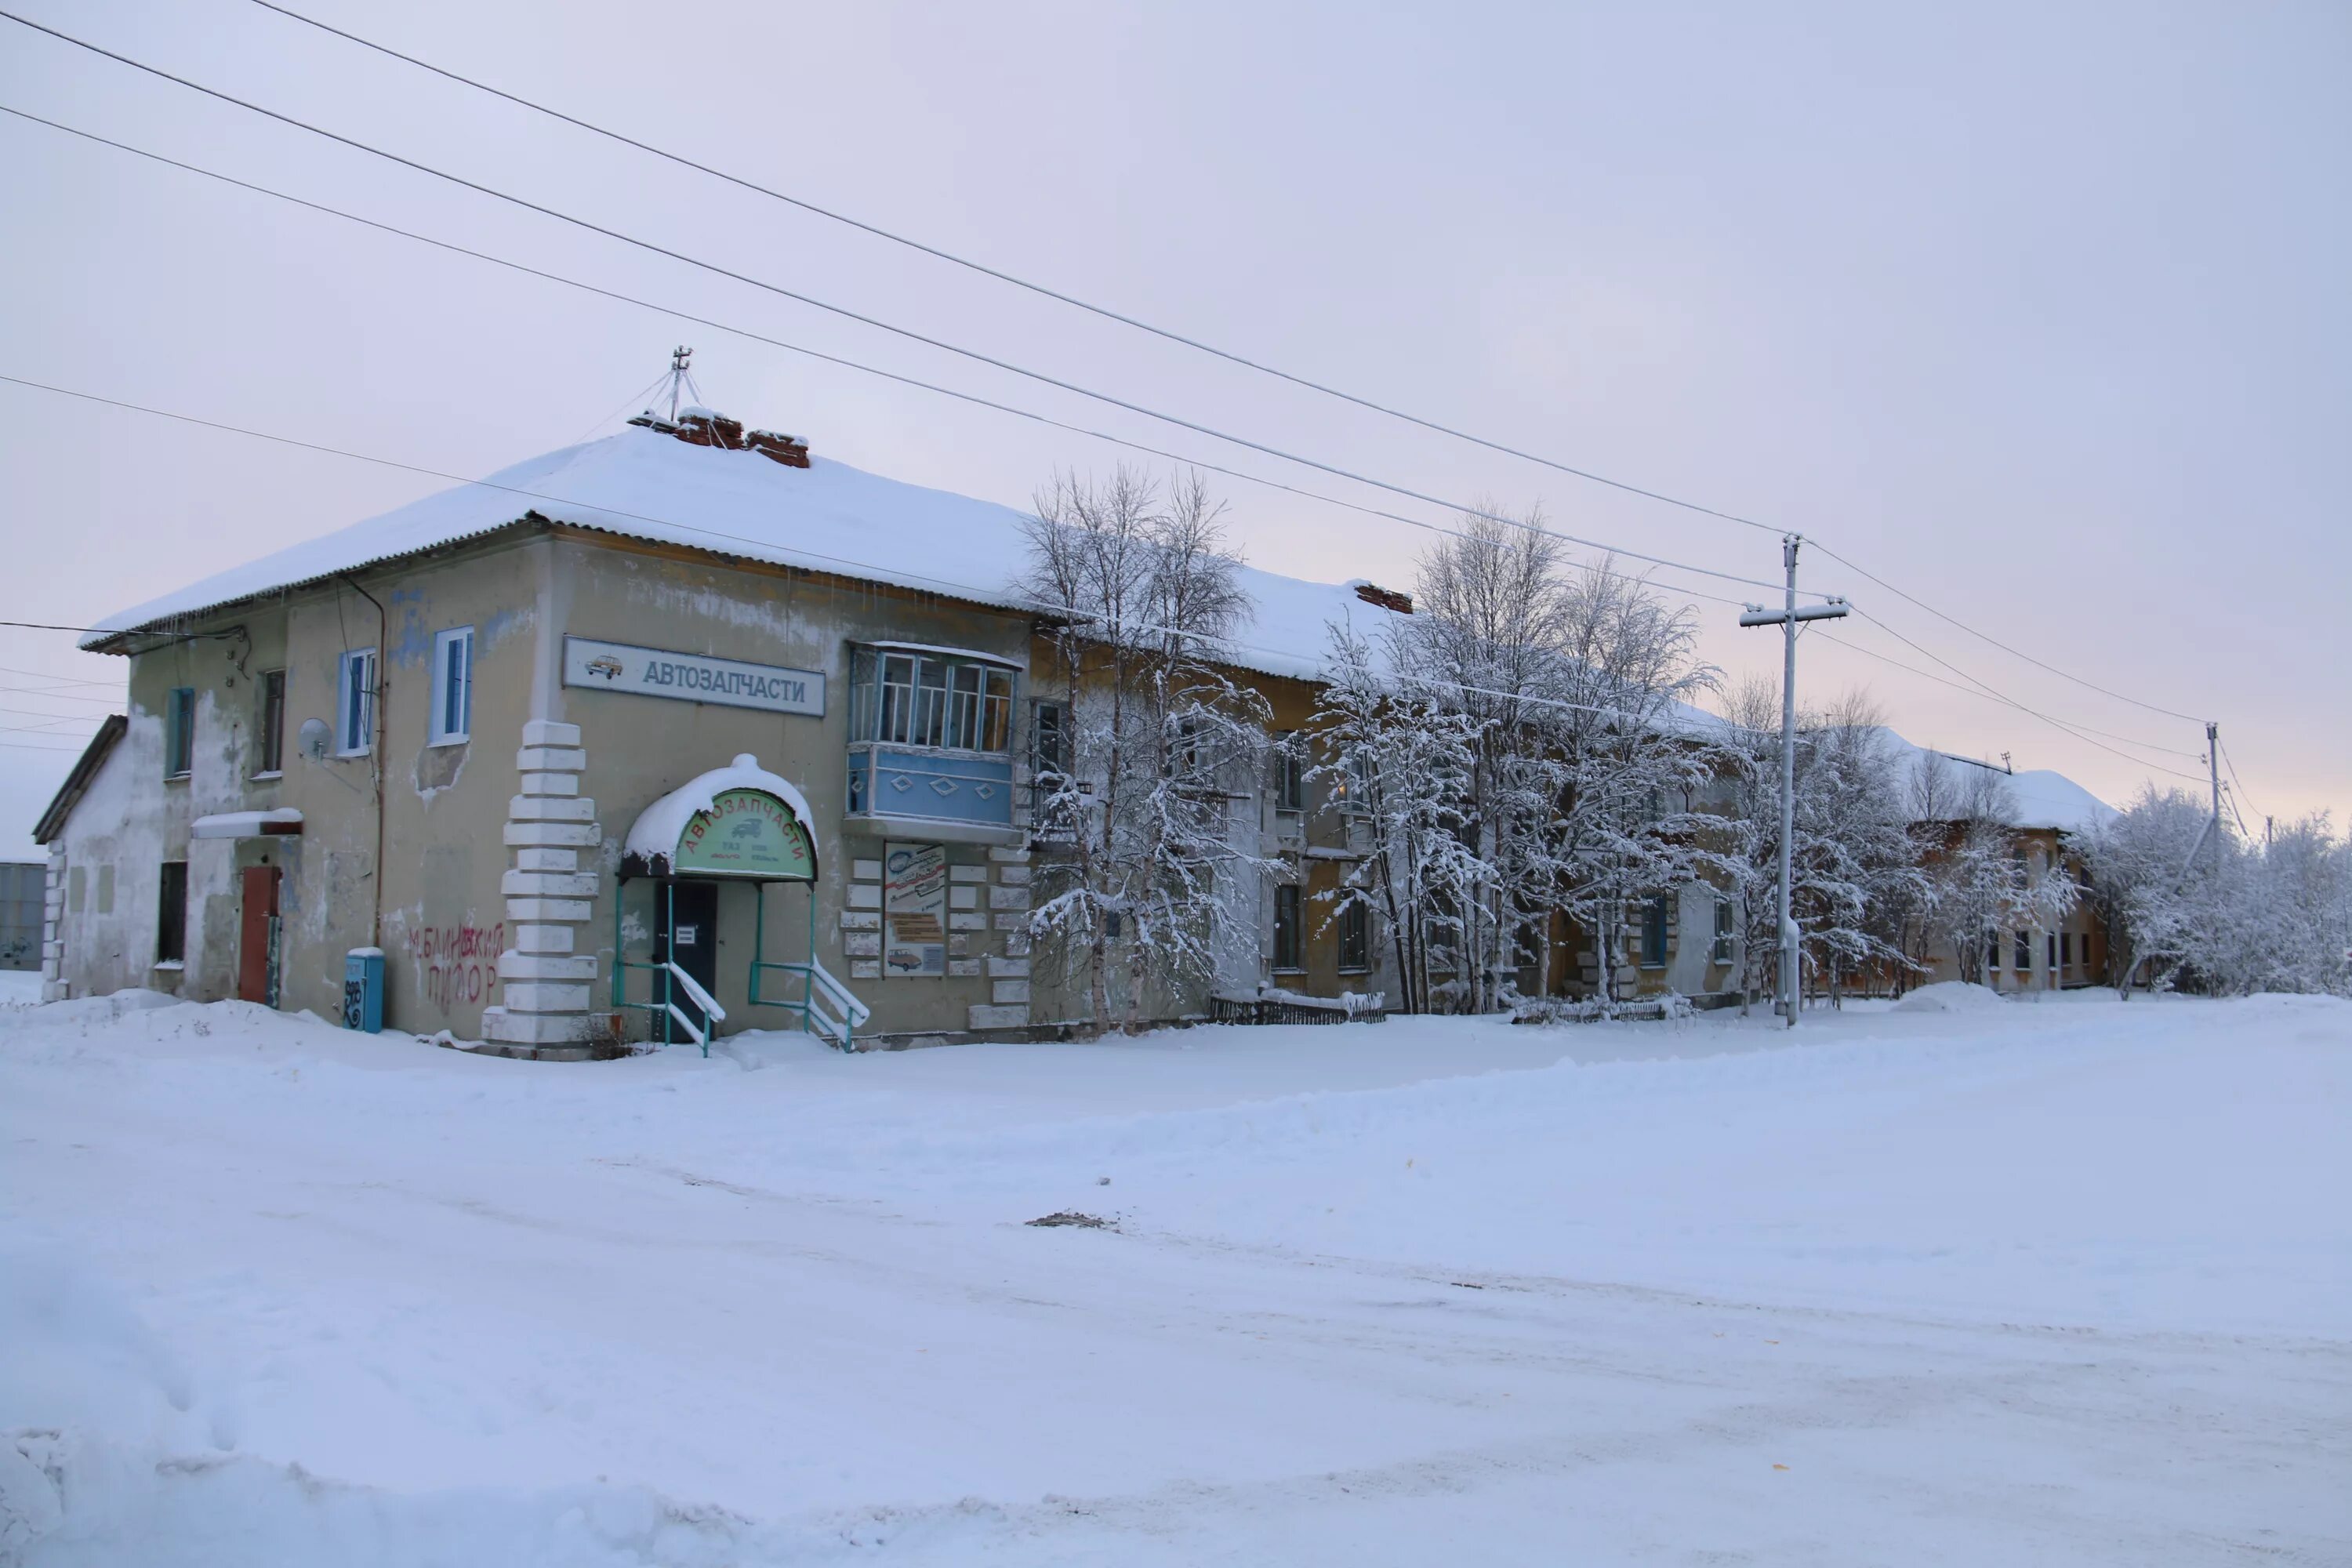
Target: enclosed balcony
(931, 745)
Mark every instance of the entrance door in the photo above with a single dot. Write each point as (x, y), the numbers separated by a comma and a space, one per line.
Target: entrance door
(258, 911)
(692, 939)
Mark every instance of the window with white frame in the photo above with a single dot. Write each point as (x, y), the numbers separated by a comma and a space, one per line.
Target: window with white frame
(356, 702)
(453, 685)
(1722, 954)
(920, 699)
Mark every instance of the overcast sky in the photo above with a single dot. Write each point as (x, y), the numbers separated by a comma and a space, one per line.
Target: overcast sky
(2037, 313)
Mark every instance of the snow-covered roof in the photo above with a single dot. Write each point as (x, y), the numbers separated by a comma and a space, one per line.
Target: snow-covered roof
(653, 837)
(827, 517)
(2043, 798)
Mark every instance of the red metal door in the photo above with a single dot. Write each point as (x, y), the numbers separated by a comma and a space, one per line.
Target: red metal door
(259, 908)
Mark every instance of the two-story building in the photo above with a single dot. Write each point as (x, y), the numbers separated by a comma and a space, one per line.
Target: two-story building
(685, 695)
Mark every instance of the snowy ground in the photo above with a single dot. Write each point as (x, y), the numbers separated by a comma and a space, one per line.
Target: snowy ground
(2058, 1283)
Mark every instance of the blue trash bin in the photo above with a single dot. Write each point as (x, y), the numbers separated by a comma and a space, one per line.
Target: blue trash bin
(364, 990)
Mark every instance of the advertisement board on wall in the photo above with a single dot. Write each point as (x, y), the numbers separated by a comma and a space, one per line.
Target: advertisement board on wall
(746, 833)
(692, 677)
(914, 908)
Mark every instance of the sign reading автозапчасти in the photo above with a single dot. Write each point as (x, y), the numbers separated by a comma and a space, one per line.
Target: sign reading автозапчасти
(691, 676)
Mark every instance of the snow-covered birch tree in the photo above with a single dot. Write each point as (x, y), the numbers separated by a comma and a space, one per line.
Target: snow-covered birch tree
(1140, 590)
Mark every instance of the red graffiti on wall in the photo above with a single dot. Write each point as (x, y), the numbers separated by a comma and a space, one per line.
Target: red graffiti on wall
(457, 963)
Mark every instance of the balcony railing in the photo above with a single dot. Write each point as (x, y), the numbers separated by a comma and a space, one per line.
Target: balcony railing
(960, 796)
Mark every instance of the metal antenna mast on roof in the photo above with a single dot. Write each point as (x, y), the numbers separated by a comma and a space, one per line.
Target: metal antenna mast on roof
(677, 377)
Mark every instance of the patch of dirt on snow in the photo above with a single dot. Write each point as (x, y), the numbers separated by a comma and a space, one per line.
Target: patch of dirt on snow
(1072, 1217)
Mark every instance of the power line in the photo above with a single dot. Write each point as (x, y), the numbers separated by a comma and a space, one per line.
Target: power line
(2230, 762)
(50, 694)
(751, 336)
(59, 679)
(652, 247)
(2022, 708)
(1168, 334)
(29, 746)
(1002, 277)
(961, 589)
(1996, 642)
(1982, 694)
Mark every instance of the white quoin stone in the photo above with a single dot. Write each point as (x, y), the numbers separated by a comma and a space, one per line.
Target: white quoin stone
(552, 835)
(1010, 991)
(964, 897)
(547, 860)
(534, 1028)
(544, 996)
(985, 1015)
(549, 732)
(550, 910)
(1008, 968)
(864, 897)
(550, 808)
(551, 760)
(551, 784)
(515, 965)
(967, 873)
(548, 885)
(1013, 857)
(1008, 898)
(543, 939)
(967, 923)
(1012, 876)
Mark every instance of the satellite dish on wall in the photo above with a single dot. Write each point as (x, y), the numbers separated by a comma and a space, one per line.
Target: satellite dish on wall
(312, 738)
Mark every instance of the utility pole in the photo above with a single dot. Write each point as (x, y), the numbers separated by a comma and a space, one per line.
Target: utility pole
(2213, 763)
(1787, 619)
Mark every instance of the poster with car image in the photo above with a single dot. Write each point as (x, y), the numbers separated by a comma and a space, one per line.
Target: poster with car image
(915, 909)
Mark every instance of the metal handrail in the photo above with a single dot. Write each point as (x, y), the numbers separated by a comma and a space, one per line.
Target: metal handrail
(696, 994)
(692, 1033)
(844, 999)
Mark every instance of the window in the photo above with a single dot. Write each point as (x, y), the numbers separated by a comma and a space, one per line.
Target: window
(1351, 790)
(1286, 927)
(923, 700)
(1654, 933)
(179, 731)
(106, 889)
(1049, 740)
(2024, 954)
(1723, 934)
(172, 914)
(269, 725)
(453, 685)
(1992, 949)
(2053, 955)
(2066, 949)
(76, 880)
(1355, 938)
(355, 703)
(1289, 777)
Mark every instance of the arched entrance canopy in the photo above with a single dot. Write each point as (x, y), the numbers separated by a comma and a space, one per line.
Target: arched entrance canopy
(738, 822)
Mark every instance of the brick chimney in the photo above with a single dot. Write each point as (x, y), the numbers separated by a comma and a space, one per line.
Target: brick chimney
(1386, 598)
(702, 427)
